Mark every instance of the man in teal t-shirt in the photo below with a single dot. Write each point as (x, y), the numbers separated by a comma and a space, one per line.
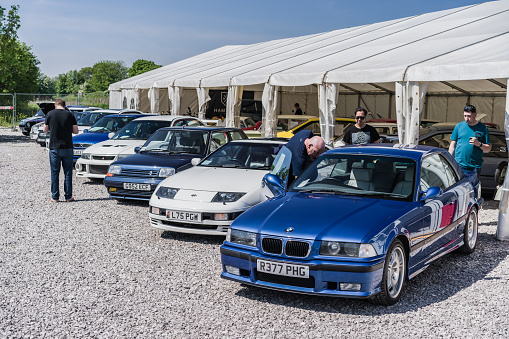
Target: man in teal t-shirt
(469, 140)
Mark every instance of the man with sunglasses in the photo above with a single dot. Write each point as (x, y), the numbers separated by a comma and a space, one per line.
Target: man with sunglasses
(361, 133)
(469, 139)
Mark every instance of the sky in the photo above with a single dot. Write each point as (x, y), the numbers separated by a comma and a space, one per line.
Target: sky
(68, 35)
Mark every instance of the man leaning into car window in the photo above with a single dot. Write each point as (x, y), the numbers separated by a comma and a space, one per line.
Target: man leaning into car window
(62, 125)
(305, 148)
(469, 139)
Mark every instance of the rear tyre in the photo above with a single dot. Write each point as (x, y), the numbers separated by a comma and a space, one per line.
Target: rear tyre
(500, 173)
(470, 233)
(393, 280)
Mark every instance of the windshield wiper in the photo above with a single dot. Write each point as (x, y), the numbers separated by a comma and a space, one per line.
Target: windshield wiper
(325, 191)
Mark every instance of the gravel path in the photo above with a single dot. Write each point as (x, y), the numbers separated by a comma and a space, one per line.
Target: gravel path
(95, 268)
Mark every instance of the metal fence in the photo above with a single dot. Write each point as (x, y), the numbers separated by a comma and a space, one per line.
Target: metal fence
(18, 106)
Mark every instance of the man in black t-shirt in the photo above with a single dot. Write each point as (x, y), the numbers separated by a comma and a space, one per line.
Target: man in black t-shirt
(361, 133)
(62, 124)
(298, 111)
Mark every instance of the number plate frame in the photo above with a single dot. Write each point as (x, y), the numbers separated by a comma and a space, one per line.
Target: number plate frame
(136, 187)
(282, 268)
(183, 216)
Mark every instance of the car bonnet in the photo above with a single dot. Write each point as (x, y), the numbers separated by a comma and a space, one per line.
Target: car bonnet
(321, 216)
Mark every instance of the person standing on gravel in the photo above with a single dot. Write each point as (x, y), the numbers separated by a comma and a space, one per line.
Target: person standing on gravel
(469, 139)
(62, 125)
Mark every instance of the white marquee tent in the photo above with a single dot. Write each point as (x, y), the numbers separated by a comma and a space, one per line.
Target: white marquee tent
(425, 66)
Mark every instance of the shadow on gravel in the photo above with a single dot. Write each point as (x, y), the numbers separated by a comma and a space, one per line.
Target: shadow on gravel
(490, 205)
(442, 280)
(95, 199)
(14, 139)
(94, 182)
(202, 239)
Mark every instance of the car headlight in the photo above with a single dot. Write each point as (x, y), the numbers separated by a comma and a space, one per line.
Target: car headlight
(241, 237)
(166, 172)
(121, 156)
(114, 169)
(85, 156)
(347, 249)
(166, 192)
(227, 197)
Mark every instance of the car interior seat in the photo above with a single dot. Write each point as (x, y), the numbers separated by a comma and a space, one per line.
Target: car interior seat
(361, 178)
(384, 174)
(259, 159)
(404, 187)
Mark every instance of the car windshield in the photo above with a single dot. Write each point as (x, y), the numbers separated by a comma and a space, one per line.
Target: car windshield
(359, 175)
(78, 115)
(177, 141)
(110, 124)
(140, 130)
(254, 155)
(90, 119)
(39, 113)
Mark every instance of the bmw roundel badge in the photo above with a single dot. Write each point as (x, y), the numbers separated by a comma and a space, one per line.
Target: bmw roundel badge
(289, 229)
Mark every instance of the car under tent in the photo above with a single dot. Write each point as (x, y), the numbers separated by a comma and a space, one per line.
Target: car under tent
(424, 66)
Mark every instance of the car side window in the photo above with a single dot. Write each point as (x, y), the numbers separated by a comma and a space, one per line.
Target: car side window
(451, 174)
(217, 140)
(442, 140)
(433, 173)
(237, 135)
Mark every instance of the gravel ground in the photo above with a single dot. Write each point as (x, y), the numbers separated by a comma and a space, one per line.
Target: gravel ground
(95, 268)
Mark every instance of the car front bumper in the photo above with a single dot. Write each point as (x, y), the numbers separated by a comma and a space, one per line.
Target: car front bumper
(325, 276)
(207, 225)
(95, 169)
(115, 187)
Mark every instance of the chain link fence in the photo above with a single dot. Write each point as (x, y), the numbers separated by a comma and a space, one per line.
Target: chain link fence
(18, 106)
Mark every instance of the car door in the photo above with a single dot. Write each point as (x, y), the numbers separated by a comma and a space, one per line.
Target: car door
(439, 213)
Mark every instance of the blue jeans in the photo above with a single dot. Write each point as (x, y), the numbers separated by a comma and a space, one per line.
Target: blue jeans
(64, 157)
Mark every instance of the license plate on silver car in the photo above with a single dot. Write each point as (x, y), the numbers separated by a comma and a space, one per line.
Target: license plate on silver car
(137, 187)
(282, 268)
(183, 216)
(78, 152)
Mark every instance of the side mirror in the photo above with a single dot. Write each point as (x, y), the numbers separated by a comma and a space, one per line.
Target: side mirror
(195, 161)
(272, 185)
(110, 135)
(85, 130)
(137, 149)
(431, 193)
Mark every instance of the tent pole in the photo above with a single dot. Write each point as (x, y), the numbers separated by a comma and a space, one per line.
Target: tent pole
(503, 207)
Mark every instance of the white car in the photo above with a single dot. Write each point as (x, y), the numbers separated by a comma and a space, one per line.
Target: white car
(206, 198)
(96, 159)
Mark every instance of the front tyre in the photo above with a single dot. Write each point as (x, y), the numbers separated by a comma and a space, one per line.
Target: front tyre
(470, 232)
(394, 275)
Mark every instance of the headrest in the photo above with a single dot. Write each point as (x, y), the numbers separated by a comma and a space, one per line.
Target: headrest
(357, 165)
(361, 174)
(385, 166)
(409, 174)
(186, 141)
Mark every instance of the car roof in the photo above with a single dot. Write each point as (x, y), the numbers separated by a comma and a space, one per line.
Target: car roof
(200, 128)
(166, 118)
(398, 150)
(276, 141)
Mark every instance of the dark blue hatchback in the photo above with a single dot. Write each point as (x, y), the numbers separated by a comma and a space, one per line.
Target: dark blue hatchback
(168, 151)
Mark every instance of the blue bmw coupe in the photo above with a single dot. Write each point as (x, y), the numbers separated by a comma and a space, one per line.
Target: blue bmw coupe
(359, 222)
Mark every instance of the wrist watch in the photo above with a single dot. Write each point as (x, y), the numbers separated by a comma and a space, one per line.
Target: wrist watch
(480, 144)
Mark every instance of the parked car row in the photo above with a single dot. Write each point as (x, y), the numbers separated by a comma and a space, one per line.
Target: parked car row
(359, 222)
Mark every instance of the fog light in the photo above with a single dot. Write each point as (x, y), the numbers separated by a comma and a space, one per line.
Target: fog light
(155, 210)
(349, 287)
(78, 167)
(113, 189)
(232, 270)
(221, 216)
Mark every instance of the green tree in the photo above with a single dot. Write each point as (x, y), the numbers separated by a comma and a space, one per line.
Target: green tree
(106, 72)
(141, 66)
(18, 65)
(47, 85)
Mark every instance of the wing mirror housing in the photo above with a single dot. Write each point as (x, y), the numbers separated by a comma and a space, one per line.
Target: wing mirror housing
(274, 184)
(432, 193)
(137, 149)
(85, 130)
(195, 161)
(110, 135)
